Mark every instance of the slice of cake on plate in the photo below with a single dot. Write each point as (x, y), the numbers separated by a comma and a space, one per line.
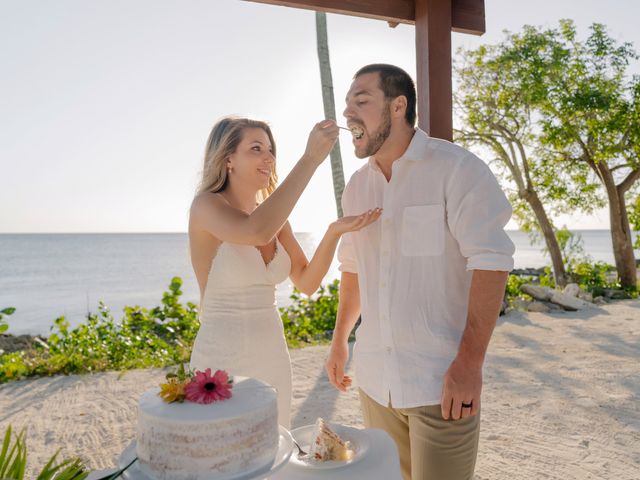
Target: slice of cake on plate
(327, 444)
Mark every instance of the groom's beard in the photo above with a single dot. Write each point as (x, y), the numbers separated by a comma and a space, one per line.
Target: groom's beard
(379, 137)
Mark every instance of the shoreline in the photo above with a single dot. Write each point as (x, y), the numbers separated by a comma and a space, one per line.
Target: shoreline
(10, 342)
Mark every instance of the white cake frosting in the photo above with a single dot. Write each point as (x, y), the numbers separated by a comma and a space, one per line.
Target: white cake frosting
(191, 441)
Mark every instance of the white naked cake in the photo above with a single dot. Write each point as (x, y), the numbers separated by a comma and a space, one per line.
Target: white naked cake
(327, 444)
(194, 441)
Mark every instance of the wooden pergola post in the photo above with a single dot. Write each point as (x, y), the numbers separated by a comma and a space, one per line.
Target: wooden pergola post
(434, 21)
(433, 67)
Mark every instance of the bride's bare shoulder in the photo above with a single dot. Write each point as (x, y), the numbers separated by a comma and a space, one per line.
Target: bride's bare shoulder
(207, 203)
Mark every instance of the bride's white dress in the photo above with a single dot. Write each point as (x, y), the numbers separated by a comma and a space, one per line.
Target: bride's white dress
(240, 327)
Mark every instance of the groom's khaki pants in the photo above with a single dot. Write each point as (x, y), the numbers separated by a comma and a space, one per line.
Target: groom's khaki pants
(430, 447)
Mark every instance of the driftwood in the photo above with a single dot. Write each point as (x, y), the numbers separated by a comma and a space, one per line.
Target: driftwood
(568, 299)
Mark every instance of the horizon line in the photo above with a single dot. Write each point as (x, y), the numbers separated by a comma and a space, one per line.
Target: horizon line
(185, 232)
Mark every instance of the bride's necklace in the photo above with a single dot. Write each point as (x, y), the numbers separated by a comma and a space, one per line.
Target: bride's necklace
(234, 205)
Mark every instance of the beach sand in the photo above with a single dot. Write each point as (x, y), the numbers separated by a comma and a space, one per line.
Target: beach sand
(561, 400)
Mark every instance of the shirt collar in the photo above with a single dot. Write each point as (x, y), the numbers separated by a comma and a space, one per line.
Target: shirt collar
(414, 152)
(417, 147)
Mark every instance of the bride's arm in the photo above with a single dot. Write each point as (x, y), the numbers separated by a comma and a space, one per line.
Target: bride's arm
(306, 276)
(211, 213)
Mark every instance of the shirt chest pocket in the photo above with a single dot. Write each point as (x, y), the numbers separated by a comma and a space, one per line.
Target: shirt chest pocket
(422, 230)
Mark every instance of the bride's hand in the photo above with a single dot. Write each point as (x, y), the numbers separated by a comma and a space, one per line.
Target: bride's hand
(321, 140)
(354, 223)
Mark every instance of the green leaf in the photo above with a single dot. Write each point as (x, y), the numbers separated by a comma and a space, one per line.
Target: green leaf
(3, 453)
(67, 470)
(116, 474)
(13, 457)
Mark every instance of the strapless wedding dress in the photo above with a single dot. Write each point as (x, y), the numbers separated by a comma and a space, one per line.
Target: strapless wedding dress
(240, 327)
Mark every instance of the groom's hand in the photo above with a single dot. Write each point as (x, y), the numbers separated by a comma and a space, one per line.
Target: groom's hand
(461, 389)
(335, 365)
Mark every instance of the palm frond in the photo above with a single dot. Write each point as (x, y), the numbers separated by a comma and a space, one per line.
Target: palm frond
(13, 462)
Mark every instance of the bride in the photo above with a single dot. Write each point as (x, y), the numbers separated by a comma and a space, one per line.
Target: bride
(242, 245)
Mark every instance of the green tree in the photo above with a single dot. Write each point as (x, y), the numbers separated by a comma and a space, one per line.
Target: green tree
(591, 117)
(329, 105)
(563, 118)
(501, 88)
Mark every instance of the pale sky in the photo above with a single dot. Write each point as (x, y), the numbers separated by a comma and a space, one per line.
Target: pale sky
(105, 106)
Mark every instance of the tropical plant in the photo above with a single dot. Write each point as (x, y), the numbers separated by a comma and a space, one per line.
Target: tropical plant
(13, 462)
(143, 338)
(514, 283)
(592, 277)
(157, 337)
(311, 319)
(4, 313)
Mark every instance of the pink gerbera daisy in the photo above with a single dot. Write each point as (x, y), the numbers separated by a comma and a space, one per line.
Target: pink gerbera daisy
(205, 388)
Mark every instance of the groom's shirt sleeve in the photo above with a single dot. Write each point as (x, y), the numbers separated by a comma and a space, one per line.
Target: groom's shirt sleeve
(346, 250)
(477, 212)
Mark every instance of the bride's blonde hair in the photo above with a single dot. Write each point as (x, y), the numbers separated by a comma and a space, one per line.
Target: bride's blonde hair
(223, 141)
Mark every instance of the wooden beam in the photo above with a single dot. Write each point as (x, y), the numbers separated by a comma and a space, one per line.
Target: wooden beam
(400, 11)
(433, 67)
(467, 16)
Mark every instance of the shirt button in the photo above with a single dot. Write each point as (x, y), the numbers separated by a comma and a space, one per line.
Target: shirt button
(385, 252)
(383, 284)
(388, 349)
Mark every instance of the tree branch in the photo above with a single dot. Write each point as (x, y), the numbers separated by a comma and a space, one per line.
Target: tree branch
(492, 142)
(628, 182)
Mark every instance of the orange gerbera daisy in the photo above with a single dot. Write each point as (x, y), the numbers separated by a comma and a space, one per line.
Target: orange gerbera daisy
(172, 391)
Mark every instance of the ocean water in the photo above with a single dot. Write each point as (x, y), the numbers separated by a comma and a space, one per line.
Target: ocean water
(48, 275)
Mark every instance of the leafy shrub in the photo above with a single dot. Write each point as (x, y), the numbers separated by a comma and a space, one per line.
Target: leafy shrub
(592, 276)
(546, 279)
(514, 282)
(4, 313)
(311, 320)
(144, 338)
(156, 337)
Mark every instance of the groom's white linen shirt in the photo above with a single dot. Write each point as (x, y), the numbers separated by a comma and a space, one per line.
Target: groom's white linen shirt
(444, 216)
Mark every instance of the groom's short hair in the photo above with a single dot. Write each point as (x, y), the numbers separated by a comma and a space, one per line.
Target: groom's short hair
(394, 82)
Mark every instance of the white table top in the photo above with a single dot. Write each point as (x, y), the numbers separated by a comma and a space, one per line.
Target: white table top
(381, 462)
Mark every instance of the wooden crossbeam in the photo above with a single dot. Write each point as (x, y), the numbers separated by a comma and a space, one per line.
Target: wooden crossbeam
(467, 16)
(434, 21)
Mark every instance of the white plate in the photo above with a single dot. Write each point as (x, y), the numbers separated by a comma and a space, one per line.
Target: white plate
(358, 439)
(285, 446)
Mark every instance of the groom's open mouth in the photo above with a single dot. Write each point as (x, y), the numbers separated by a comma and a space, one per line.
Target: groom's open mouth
(357, 131)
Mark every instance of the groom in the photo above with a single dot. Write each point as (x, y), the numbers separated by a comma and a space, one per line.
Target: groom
(428, 279)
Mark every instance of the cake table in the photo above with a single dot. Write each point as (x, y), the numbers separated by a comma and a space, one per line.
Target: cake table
(381, 462)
